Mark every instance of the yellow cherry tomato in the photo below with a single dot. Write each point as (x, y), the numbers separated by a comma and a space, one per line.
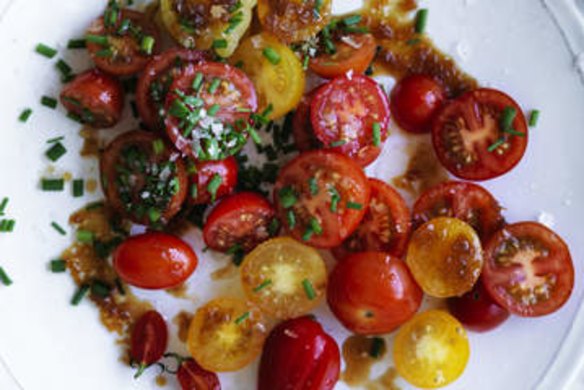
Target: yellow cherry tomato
(445, 257)
(226, 334)
(431, 350)
(284, 278)
(275, 70)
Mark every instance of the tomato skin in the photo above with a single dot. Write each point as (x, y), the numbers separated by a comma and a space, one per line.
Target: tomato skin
(205, 171)
(95, 97)
(302, 130)
(476, 310)
(299, 355)
(191, 376)
(414, 102)
(373, 293)
(154, 260)
(347, 58)
(149, 340)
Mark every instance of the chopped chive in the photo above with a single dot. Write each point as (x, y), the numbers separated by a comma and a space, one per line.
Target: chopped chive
(272, 55)
(351, 20)
(197, 81)
(4, 278)
(58, 228)
(97, 39)
(24, 115)
(158, 146)
(512, 131)
(214, 185)
(3, 205)
(273, 227)
(233, 22)
(496, 144)
(263, 285)
(214, 85)
(317, 7)
(413, 41)
(7, 225)
(291, 219)
(377, 345)
(421, 21)
(52, 184)
(74, 117)
(308, 233)
(354, 205)
(305, 62)
(147, 44)
(214, 109)
(238, 254)
(242, 318)
(78, 186)
(45, 50)
(338, 143)
(315, 225)
(507, 117)
(104, 53)
(268, 111)
(243, 109)
(287, 197)
(64, 68)
(335, 199)
(219, 44)
(356, 29)
(376, 134)
(100, 289)
(48, 101)
(56, 139)
(154, 215)
(56, 151)
(313, 186)
(254, 135)
(309, 289)
(85, 236)
(79, 294)
(534, 118)
(124, 26)
(194, 190)
(58, 266)
(239, 64)
(76, 44)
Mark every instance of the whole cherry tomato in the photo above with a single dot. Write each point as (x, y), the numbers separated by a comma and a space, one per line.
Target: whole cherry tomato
(192, 376)
(149, 340)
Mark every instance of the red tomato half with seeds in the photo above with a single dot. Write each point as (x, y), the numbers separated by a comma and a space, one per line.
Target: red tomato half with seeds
(302, 130)
(212, 180)
(354, 53)
(351, 115)
(154, 261)
(470, 138)
(528, 269)
(96, 98)
(149, 340)
(321, 197)
(192, 376)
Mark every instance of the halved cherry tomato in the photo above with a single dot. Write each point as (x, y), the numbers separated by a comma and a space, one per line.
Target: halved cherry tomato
(385, 226)
(143, 178)
(354, 52)
(191, 376)
(299, 354)
(278, 76)
(212, 180)
(294, 20)
(149, 340)
(431, 350)
(207, 108)
(415, 101)
(241, 220)
(302, 130)
(351, 115)
(373, 293)
(284, 278)
(468, 202)
(469, 137)
(322, 196)
(123, 48)
(154, 260)
(445, 257)
(156, 79)
(528, 269)
(477, 310)
(226, 334)
(96, 98)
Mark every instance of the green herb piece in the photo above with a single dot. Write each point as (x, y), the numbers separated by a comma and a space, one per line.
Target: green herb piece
(377, 346)
(305, 62)
(354, 205)
(56, 139)
(52, 184)
(338, 143)
(58, 266)
(356, 29)
(263, 285)
(291, 219)
(242, 318)
(317, 7)
(97, 39)
(158, 146)
(48, 101)
(351, 20)
(496, 145)
(76, 44)
(214, 109)
(65, 70)
(273, 227)
(308, 233)
(7, 225)
(154, 215)
(512, 131)
(272, 55)
(3, 205)
(287, 197)
(507, 117)
(214, 185)
(238, 254)
(80, 294)
(147, 44)
(315, 225)
(101, 289)
(24, 115)
(4, 278)
(56, 151)
(335, 199)
(309, 289)
(45, 50)
(313, 186)
(376, 134)
(198, 82)
(413, 41)
(85, 236)
(268, 111)
(214, 85)
(105, 53)
(254, 135)
(219, 44)
(534, 118)
(233, 22)
(421, 21)
(78, 187)
(58, 228)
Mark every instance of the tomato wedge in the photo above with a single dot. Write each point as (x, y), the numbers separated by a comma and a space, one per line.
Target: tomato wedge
(191, 376)
(480, 135)
(354, 53)
(149, 340)
(212, 180)
(322, 196)
(350, 114)
(528, 269)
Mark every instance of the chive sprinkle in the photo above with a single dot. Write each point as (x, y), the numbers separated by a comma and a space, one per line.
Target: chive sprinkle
(158, 146)
(254, 135)
(24, 115)
(376, 134)
(64, 68)
(219, 44)
(273, 227)
(85, 236)
(7, 225)
(309, 289)
(335, 199)
(100, 289)
(242, 318)
(198, 81)
(313, 186)
(78, 186)
(287, 197)
(76, 44)
(354, 205)
(214, 85)
(79, 294)
(272, 55)
(315, 225)
(154, 215)
(52, 184)
(507, 117)
(308, 233)
(338, 143)
(377, 345)
(233, 22)
(56, 151)
(421, 21)
(351, 20)
(3, 205)
(495, 145)
(58, 266)
(214, 109)
(48, 101)
(97, 39)
(317, 7)
(534, 118)
(56, 139)
(263, 285)
(512, 131)
(4, 278)
(45, 50)
(147, 44)
(58, 228)
(107, 52)
(214, 185)
(291, 219)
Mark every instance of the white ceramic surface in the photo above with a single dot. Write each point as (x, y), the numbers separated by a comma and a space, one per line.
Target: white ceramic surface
(517, 46)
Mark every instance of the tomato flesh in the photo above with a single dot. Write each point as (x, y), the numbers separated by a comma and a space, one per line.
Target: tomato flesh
(149, 340)
(354, 53)
(191, 376)
(212, 180)
(302, 130)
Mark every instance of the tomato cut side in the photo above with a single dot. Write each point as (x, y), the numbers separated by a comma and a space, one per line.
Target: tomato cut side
(212, 180)
(149, 340)
(354, 53)
(191, 376)
(302, 130)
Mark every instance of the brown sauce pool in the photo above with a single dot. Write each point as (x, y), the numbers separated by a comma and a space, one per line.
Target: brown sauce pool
(357, 356)
(182, 321)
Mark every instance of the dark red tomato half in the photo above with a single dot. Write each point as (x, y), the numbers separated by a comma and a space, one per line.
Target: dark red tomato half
(94, 97)
(385, 226)
(466, 201)
(354, 52)
(239, 221)
(154, 260)
(476, 310)
(528, 269)
(156, 79)
(351, 115)
(191, 376)
(212, 180)
(373, 293)
(470, 137)
(302, 130)
(299, 355)
(321, 196)
(414, 102)
(149, 340)
(125, 45)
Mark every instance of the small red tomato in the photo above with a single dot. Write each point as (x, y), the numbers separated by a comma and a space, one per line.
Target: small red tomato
(414, 102)
(149, 340)
(192, 376)
(373, 293)
(96, 98)
(212, 180)
(354, 52)
(477, 310)
(299, 355)
(154, 260)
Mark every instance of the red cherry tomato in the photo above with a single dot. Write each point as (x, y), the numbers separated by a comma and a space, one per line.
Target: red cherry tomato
(321, 196)
(121, 53)
(470, 139)
(240, 220)
(372, 293)
(468, 202)
(156, 79)
(154, 260)
(192, 376)
(354, 52)
(96, 98)
(212, 180)
(347, 113)
(149, 340)
(302, 130)
(298, 354)
(385, 226)
(415, 101)
(476, 310)
(528, 269)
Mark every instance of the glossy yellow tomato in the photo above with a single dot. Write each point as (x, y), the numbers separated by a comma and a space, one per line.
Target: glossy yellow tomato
(206, 24)
(431, 350)
(226, 334)
(284, 278)
(445, 257)
(275, 70)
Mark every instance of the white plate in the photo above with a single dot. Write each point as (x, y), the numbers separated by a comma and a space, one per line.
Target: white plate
(517, 46)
